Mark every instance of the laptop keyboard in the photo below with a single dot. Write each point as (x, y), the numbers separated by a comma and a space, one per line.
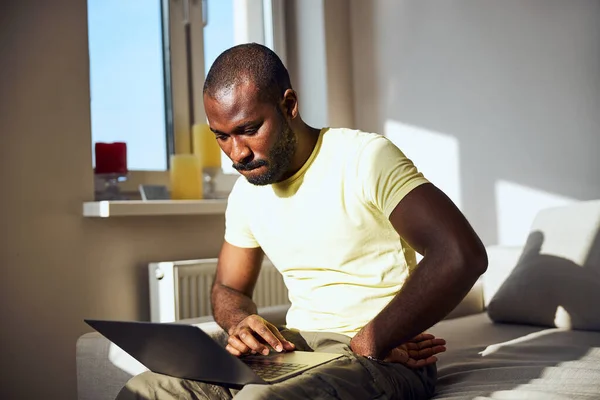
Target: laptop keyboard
(268, 369)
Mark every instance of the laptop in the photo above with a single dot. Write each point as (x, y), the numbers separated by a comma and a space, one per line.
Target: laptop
(186, 351)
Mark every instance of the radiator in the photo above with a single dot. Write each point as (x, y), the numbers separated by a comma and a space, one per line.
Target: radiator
(181, 289)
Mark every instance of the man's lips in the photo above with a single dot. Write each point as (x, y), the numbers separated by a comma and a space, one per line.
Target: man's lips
(248, 168)
(253, 169)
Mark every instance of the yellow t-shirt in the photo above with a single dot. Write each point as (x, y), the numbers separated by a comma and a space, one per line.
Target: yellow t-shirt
(326, 229)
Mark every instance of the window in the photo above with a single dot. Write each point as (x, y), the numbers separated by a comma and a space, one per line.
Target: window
(148, 61)
(218, 31)
(127, 79)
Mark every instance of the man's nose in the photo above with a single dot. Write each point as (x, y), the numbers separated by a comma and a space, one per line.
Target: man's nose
(240, 152)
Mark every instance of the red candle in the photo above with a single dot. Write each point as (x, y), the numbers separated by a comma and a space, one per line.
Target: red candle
(111, 158)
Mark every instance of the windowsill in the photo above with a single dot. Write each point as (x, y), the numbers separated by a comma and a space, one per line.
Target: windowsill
(133, 208)
(136, 207)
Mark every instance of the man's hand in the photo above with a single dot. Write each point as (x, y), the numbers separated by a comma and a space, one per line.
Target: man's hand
(252, 335)
(418, 352)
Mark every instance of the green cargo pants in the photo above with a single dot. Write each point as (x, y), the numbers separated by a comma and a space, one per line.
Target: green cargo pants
(348, 377)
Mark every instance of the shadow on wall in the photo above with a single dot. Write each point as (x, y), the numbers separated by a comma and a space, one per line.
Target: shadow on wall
(521, 101)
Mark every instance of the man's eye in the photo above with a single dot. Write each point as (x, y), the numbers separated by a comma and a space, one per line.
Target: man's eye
(250, 131)
(221, 137)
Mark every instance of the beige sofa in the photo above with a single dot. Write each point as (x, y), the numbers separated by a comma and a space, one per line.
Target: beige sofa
(503, 343)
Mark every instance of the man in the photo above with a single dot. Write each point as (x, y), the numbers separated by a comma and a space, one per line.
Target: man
(339, 213)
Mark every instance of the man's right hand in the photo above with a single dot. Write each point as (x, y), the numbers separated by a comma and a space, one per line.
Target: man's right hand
(253, 334)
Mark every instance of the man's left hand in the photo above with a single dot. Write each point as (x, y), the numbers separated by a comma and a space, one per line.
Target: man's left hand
(418, 352)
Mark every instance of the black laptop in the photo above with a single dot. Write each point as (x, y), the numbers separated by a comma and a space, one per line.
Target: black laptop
(186, 351)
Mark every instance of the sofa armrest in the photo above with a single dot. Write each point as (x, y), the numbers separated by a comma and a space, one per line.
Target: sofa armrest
(103, 368)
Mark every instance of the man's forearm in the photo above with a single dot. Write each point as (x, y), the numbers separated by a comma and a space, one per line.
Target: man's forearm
(434, 289)
(230, 306)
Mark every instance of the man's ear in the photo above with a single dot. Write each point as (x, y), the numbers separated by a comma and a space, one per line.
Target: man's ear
(289, 104)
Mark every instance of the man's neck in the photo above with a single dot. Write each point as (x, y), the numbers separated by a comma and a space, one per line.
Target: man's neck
(307, 138)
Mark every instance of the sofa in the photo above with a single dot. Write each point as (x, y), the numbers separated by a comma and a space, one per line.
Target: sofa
(528, 329)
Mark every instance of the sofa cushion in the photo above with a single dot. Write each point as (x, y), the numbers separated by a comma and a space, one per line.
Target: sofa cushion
(487, 360)
(501, 262)
(99, 375)
(556, 282)
(471, 304)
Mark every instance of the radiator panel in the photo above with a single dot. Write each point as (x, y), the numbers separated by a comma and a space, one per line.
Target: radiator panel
(181, 289)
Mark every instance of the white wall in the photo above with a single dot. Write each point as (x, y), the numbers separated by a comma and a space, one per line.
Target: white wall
(509, 90)
(58, 267)
(308, 73)
(319, 60)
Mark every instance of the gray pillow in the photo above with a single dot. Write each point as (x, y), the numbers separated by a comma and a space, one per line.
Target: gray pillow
(556, 282)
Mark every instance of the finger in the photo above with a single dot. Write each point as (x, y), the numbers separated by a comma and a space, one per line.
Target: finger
(411, 346)
(412, 363)
(262, 329)
(233, 350)
(423, 343)
(237, 344)
(247, 337)
(422, 336)
(430, 343)
(423, 353)
(287, 345)
(426, 353)
(439, 349)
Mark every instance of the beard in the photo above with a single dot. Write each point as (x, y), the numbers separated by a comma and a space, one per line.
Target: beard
(278, 160)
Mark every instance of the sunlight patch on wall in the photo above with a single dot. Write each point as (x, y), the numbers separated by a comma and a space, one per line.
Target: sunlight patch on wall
(516, 208)
(435, 154)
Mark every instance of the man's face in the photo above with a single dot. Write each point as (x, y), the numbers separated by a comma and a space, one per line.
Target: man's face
(254, 134)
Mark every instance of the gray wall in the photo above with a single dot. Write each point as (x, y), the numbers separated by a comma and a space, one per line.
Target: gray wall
(512, 86)
(58, 267)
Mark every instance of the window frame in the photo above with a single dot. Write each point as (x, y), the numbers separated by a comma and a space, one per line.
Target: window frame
(183, 85)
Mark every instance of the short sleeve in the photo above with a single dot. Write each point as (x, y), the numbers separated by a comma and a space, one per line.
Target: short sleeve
(237, 228)
(386, 175)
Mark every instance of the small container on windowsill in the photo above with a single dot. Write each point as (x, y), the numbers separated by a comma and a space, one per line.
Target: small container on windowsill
(107, 187)
(206, 148)
(111, 168)
(186, 177)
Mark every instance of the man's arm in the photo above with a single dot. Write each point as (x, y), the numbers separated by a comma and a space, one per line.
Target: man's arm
(232, 304)
(453, 260)
(237, 273)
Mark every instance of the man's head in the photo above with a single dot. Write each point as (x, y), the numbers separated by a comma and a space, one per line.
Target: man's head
(249, 104)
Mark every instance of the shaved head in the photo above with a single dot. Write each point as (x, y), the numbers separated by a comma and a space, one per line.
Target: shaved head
(253, 63)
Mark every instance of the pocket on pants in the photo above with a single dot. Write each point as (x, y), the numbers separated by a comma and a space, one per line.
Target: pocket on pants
(401, 382)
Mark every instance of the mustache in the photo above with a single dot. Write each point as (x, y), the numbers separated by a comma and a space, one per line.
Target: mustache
(249, 165)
